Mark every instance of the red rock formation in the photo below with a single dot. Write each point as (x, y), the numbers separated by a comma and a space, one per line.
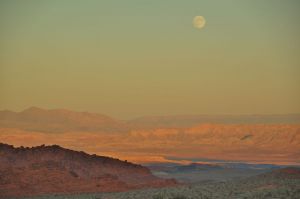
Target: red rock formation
(53, 169)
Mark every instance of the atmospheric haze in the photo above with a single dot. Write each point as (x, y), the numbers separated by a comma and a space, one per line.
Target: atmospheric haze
(129, 59)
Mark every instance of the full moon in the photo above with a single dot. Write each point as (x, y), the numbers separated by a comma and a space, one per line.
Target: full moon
(199, 22)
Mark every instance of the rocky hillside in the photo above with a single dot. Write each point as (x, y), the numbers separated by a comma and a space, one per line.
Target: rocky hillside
(256, 143)
(275, 184)
(53, 169)
(260, 139)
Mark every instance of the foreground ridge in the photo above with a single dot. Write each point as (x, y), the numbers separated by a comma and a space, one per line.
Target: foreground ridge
(40, 170)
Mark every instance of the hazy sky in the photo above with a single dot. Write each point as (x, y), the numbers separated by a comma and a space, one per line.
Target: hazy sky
(134, 58)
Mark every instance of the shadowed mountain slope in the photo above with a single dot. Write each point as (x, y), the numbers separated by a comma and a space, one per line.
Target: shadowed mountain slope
(53, 169)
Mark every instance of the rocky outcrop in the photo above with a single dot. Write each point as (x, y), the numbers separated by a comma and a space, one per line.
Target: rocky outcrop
(53, 169)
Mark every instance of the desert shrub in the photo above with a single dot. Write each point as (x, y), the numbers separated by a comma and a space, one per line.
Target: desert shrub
(180, 197)
(158, 196)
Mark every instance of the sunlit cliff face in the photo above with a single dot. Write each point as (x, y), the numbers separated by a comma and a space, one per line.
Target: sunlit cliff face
(250, 143)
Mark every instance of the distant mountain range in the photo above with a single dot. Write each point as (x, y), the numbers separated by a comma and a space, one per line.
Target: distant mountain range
(210, 172)
(264, 139)
(195, 167)
(52, 169)
(59, 120)
(62, 120)
(184, 121)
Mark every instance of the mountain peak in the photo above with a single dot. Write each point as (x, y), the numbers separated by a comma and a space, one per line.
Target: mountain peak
(60, 120)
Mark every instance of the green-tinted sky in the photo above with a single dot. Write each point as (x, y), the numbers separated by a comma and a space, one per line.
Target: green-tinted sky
(133, 58)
